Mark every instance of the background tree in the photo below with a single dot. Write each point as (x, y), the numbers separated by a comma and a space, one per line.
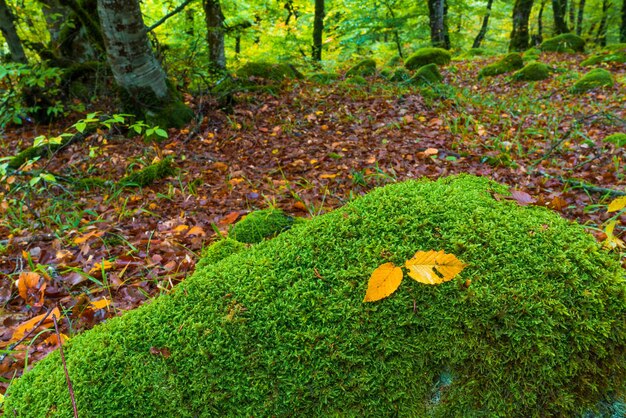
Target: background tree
(521, 15)
(559, 8)
(7, 27)
(438, 15)
(318, 29)
(579, 18)
(483, 28)
(622, 32)
(215, 33)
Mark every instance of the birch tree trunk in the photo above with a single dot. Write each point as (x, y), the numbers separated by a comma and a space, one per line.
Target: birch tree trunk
(215, 33)
(7, 27)
(521, 15)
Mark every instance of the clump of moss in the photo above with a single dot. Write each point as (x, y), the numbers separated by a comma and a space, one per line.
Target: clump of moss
(363, 68)
(532, 54)
(611, 54)
(535, 325)
(355, 80)
(268, 71)
(508, 63)
(595, 78)
(90, 183)
(399, 74)
(425, 56)
(175, 114)
(324, 78)
(394, 61)
(566, 42)
(259, 225)
(149, 174)
(533, 71)
(220, 250)
(426, 75)
(619, 139)
(31, 153)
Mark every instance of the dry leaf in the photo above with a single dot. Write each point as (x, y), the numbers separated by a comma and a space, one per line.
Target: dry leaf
(27, 284)
(196, 230)
(617, 204)
(53, 339)
(104, 265)
(229, 219)
(612, 242)
(82, 239)
(328, 176)
(180, 228)
(24, 328)
(433, 267)
(522, 198)
(383, 282)
(100, 304)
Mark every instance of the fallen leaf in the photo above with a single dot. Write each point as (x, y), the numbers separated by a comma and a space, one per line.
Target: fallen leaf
(84, 238)
(180, 228)
(27, 284)
(328, 176)
(617, 204)
(24, 328)
(196, 230)
(383, 282)
(100, 304)
(54, 340)
(433, 267)
(229, 219)
(104, 265)
(522, 198)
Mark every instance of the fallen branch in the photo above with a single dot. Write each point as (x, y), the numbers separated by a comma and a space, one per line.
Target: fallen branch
(167, 16)
(29, 239)
(15, 344)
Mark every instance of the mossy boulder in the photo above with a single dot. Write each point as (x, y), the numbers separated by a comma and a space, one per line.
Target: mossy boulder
(595, 78)
(619, 139)
(533, 71)
(261, 224)
(425, 56)
(355, 80)
(175, 114)
(323, 78)
(611, 54)
(399, 74)
(426, 75)
(510, 62)
(148, 175)
(220, 250)
(363, 68)
(532, 54)
(566, 42)
(535, 325)
(268, 71)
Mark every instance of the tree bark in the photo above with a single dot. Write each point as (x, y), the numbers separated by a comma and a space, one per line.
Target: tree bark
(318, 30)
(483, 29)
(579, 18)
(7, 27)
(622, 29)
(601, 34)
(572, 13)
(559, 9)
(215, 33)
(438, 14)
(521, 15)
(538, 39)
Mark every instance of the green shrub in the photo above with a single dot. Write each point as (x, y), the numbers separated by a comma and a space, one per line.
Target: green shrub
(593, 79)
(508, 63)
(611, 54)
(565, 42)
(535, 325)
(425, 56)
(364, 68)
(427, 75)
(533, 71)
(259, 225)
(268, 71)
(619, 139)
(149, 174)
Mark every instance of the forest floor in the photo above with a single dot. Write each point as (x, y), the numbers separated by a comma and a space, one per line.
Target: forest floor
(306, 150)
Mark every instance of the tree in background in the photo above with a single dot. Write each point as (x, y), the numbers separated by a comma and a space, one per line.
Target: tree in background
(559, 8)
(438, 14)
(7, 27)
(483, 28)
(147, 91)
(579, 18)
(318, 29)
(622, 32)
(521, 15)
(215, 34)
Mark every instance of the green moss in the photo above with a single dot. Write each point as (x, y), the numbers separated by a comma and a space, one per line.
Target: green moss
(90, 183)
(31, 153)
(619, 139)
(508, 63)
(149, 174)
(281, 329)
(268, 71)
(593, 79)
(220, 250)
(532, 54)
(172, 115)
(259, 225)
(324, 78)
(394, 61)
(363, 68)
(565, 42)
(533, 71)
(399, 74)
(427, 56)
(355, 80)
(611, 54)
(426, 75)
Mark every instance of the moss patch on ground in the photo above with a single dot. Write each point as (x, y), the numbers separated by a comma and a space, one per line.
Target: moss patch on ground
(533, 71)
(259, 225)
(593, 79)
(611, 54)
(426, 75)
(535, 325)
(566, 42)
(619, 139)
(427, 56)
(363, 68)
(149, 174)
(268, 71)
(508, 63)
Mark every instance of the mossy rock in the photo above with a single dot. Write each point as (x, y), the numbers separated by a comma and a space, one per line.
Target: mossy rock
(619, 139)
(363, 68)
(425, 56)
(220, 250)
(355, 80)
(565, 42)
(259, 225)
(595, 78)
(149, 174)
(426, 75)
(172, 115)
(532, 54)
(475, 52)
(535, 325)
(533, 71)
(510, 62)
(611, 54)
(268, 71)
(399, 74)
(395, 61)
(323, 78)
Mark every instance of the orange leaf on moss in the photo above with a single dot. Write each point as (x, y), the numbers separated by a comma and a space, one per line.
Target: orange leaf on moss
(383, 282)
(433, 267)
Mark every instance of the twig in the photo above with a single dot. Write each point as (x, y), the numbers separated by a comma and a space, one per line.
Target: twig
(29, 239)
(67, 375)
(585, 186)
(15, 344)
(167, 16)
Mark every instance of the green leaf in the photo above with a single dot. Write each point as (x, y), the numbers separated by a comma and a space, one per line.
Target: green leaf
(160, 132)
(80, 126)
(48, 177)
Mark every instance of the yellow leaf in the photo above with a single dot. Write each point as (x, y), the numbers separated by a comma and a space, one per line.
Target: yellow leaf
(105, 265)
(433, 267)
(181, 228)
(383, 282)
(26, 282)
(53, 340)
(196, 230)
(617, 204)
(100, 304)
(612, 242)
(328, 176)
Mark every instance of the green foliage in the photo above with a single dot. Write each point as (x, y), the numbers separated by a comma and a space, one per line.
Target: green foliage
(508, 63)
(363, 68)
(149, 174)
(427, 75)
(280, 329)
(38, 150)
(619, 139)
(427, 56)
(611, 54)
(268, 71)
(355, 80)
(175, 114)
(566, 42)
(259, 225)
(533, 71)
(399, 74)
(595, 78)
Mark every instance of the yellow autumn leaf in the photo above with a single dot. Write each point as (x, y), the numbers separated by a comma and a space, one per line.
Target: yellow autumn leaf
(27, 281)
(383, 282)
(25, 327)
(433, 267)
(196, 230)
(617, 204)
(99, 304)
(105, 265)
(612, 242)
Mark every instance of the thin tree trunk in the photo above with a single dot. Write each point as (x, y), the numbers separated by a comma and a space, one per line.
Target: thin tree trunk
(622, 29)
(483, 29)
(7, 27)
(559, 9)
(601, 34)
(579, 19)
(572, 13)
(318, 29)
(521, 15)
(215, 33)
(438, 13)
(539, 38)
(238, 44)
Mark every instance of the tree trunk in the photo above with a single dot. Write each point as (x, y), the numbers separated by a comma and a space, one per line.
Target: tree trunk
(579, 19)
(7, 27)
(318, 30)
(622, 29)
(483, 29)
(538, 39)
(136, 70)
(215, 33)
(521, 15)
(55, 16)
(559, 9)
(601, 35)
(438, 14)
(572, 13)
